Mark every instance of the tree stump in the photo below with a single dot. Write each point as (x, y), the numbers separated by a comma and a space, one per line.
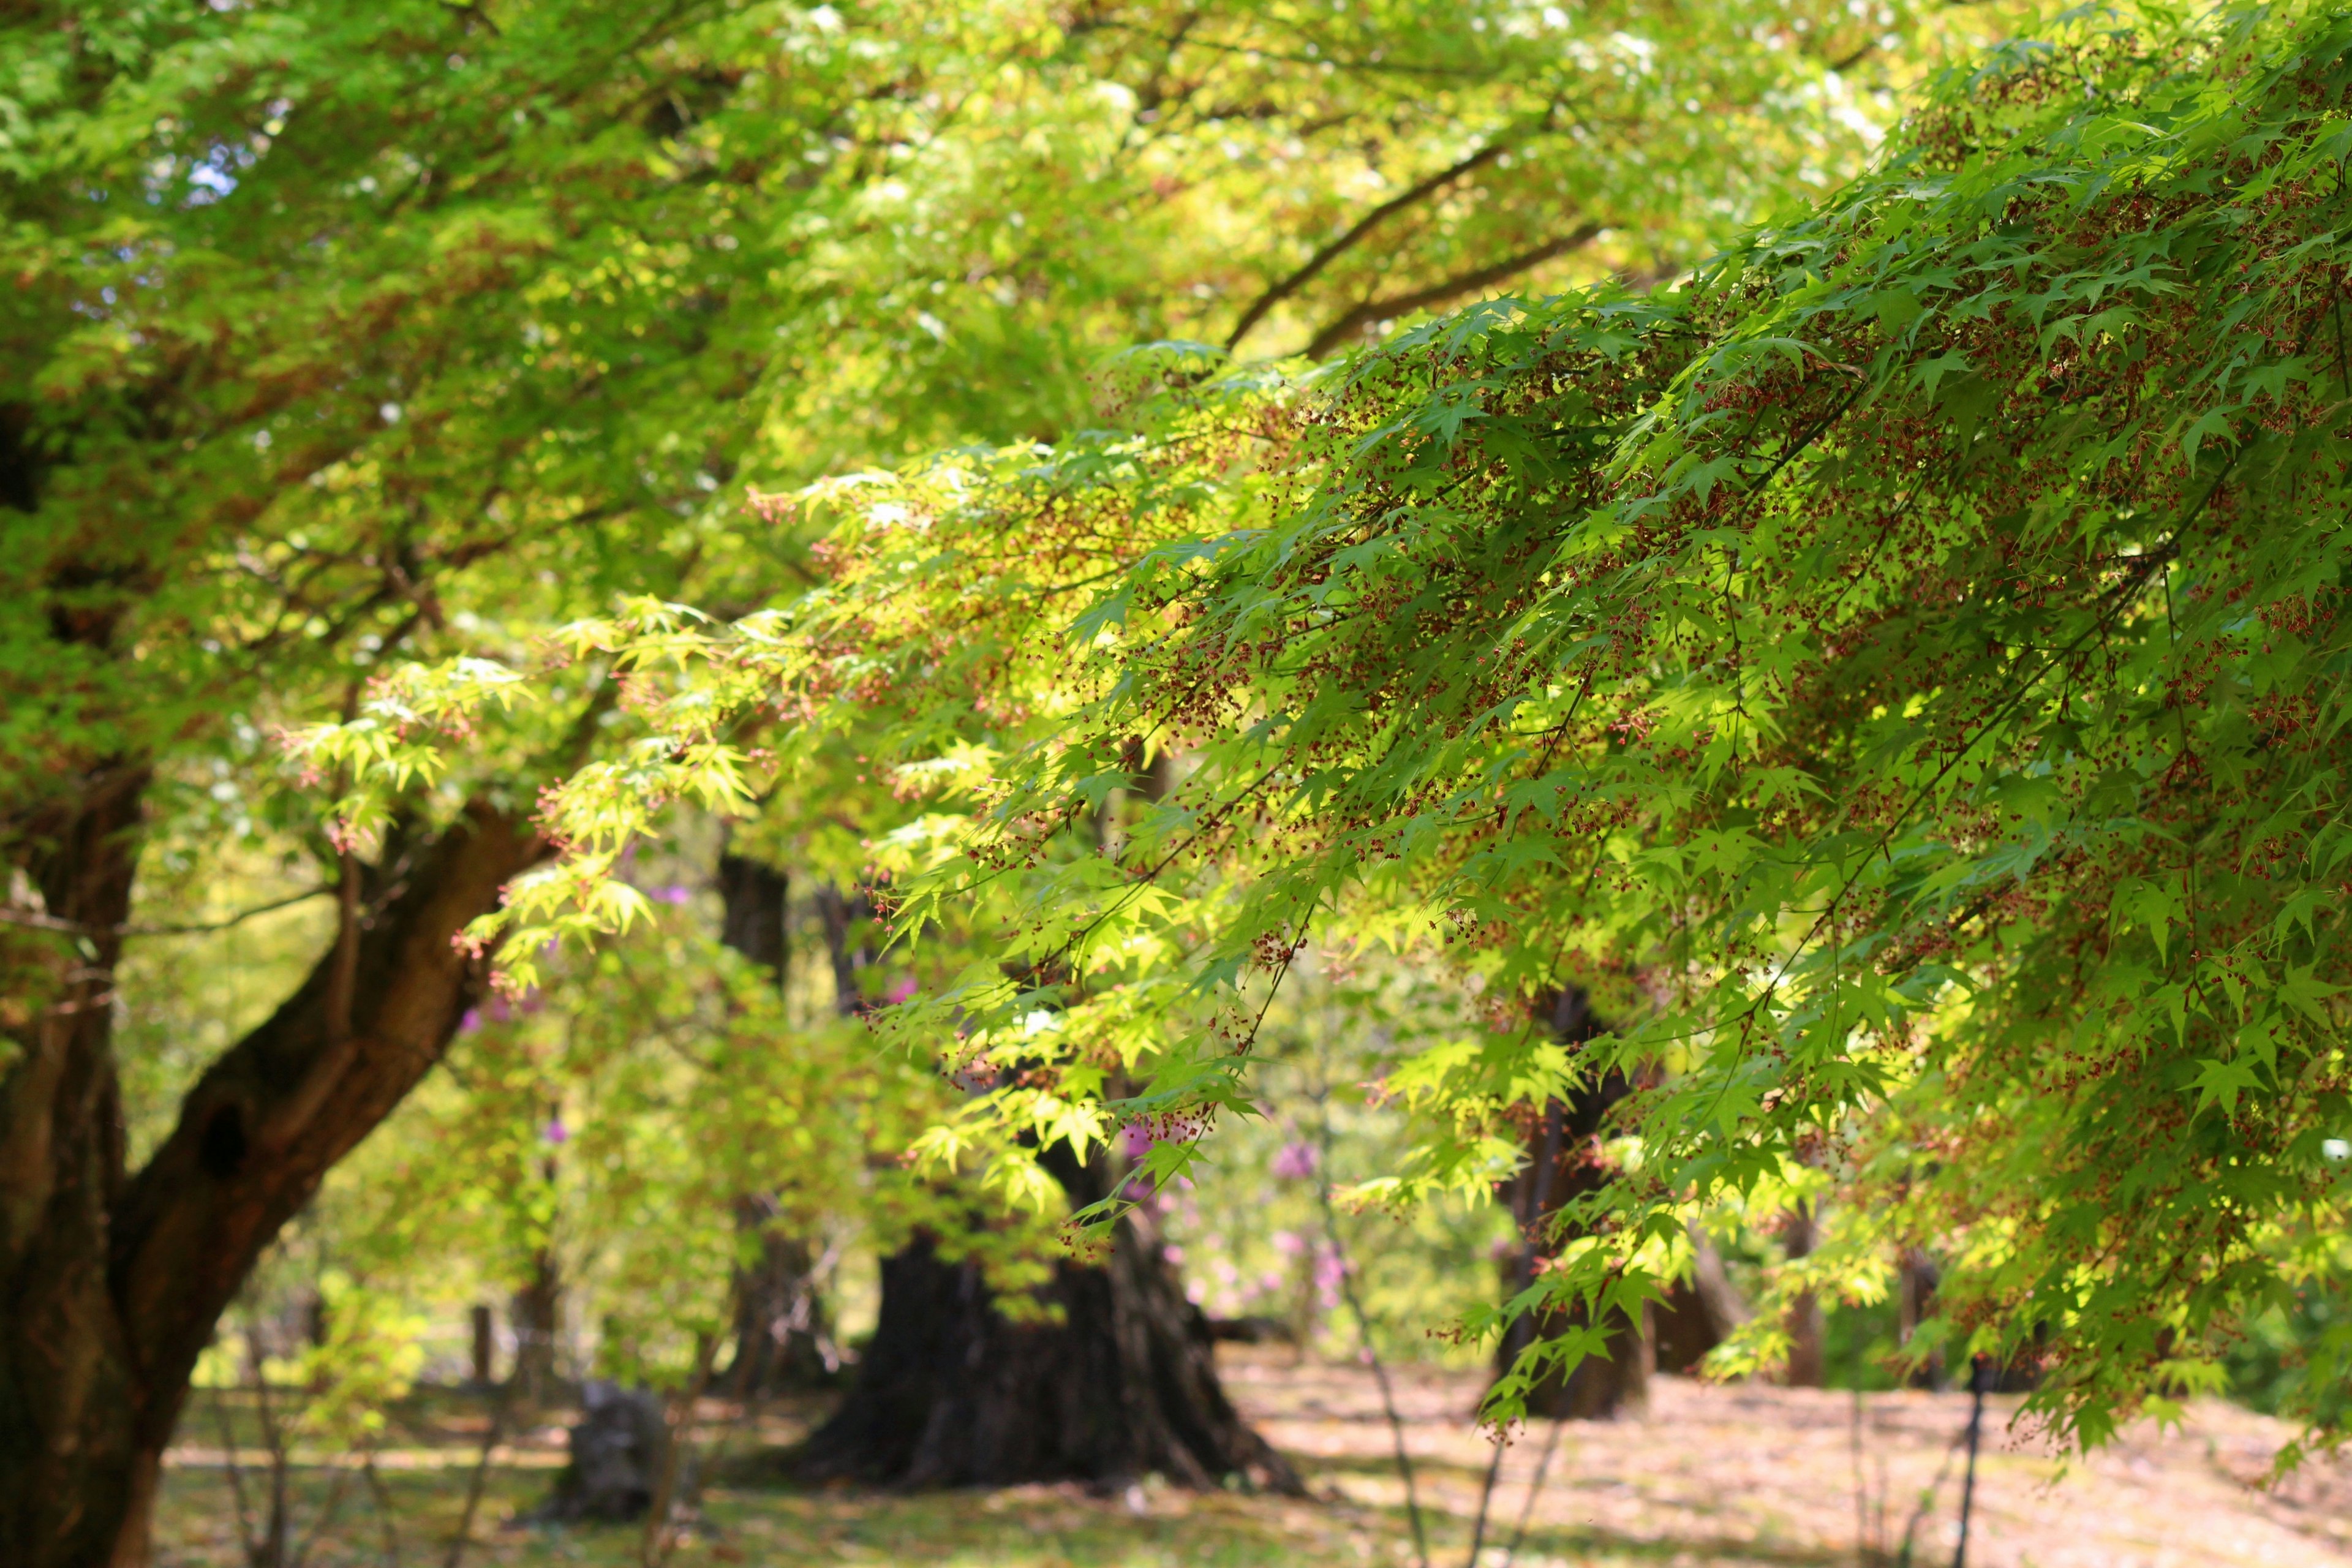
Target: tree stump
(616, 1457)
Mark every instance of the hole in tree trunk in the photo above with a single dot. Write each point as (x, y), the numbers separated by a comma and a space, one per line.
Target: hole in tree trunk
(222, 1150)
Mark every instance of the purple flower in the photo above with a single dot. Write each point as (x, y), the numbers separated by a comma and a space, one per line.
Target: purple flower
(470, 1022)
(901, 992)
(555, 1131)
(1135, 1139)
(675, 894)
(1329, 1272)
(1296, 1163)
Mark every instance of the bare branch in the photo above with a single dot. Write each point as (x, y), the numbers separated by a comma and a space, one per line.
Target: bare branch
(1331, 252)
(1372, 311)
(35, 918)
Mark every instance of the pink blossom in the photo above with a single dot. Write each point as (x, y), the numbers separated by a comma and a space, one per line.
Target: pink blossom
(1295, 1162)
(674, 894)
(1329, 1272)
(901, 992)
(555, 1131)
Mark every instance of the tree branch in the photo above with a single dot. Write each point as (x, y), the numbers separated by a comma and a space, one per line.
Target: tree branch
(1372, 311)
(1275, 294)
(272, 1116)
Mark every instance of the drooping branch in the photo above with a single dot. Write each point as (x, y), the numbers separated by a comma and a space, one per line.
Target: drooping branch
(1453, 287)
(1313, 268)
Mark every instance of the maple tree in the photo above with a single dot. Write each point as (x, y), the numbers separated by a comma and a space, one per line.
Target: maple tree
(1896, 672)
(346, 343)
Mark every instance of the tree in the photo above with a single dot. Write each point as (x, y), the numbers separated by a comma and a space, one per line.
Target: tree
(780, 1337)
(342, 342)
(1895, 673)
(1564, 1162)
(1105, 1373)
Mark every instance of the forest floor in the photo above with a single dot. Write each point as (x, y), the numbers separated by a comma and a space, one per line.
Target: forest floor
(1709, 1478)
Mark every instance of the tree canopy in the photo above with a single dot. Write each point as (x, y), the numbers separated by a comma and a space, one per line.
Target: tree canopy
(352, 353)
(1897, 669)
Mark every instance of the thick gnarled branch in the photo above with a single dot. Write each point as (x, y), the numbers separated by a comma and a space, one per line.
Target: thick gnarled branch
(266, 1121)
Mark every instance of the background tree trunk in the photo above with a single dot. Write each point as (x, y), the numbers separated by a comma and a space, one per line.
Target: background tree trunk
(781, 1336)
(1806, 1352)
(1699, 1314)
(111, 1284)
(1915, 1303)
(950, 1391)
(1565, 1163)
(953, 1392)
(537, 1313)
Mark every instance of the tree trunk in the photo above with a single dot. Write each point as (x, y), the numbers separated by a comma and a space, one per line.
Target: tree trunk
(780, 1337)
(1807, 1353)
(537, 1311)
(1699, 1313)
(1565, 1163)
(1915, 1304)
(952, 1393)
(110, 1283)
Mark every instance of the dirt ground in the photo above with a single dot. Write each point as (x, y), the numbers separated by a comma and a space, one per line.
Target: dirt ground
(1708, 1478)
(1716, 1475)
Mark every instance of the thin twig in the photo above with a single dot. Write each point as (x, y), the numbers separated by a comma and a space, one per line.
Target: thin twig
(37, 921)
(271, 1551)
(1276, 292)
(1864, 1549)
(659, 1535)
(1980, 1378)
(381, 1494)
(1926, 1501)
(236, 1471)
(325, 1516)
(1527, 1508)
(1485, 1501)
(1364, 1331)
(465, 1531)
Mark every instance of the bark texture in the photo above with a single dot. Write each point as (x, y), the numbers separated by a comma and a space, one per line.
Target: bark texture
(111, 1282)
(952, 1393)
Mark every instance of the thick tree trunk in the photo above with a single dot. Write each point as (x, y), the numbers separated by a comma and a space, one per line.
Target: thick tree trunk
(111, 1284)
(1565, 1163)
(953, 1392)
